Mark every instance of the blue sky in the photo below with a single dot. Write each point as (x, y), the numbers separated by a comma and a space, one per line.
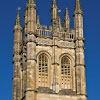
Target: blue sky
(91, 10)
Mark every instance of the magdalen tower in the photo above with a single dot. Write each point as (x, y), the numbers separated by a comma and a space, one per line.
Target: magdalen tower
(49, 61)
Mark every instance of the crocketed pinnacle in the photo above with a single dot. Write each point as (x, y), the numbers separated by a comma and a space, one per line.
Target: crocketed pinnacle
(78, 8)
(18, 19)
(66, 14)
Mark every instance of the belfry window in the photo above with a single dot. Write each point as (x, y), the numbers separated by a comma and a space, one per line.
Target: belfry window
(43, 70)
(65, 73)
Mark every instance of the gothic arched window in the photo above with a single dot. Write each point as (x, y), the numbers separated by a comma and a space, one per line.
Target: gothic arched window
(65, 73)
(43, 64)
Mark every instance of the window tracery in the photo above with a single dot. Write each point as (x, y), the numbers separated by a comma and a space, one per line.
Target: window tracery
(65, 73)
(43, 65)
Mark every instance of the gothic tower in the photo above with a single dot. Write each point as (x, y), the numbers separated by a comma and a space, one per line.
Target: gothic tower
(49, 61)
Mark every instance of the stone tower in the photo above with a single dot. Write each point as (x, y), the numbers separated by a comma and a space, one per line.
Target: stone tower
(49, 61)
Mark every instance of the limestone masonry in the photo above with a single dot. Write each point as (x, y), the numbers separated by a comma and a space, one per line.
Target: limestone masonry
(49, 61)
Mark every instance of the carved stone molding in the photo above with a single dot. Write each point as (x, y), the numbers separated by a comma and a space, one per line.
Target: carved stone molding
(40, 41)
(66, 44)
(63, 44)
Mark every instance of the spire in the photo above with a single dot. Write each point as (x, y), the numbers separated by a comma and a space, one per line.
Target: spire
(30, 16)
(66, 14)
(17, 58)
(66, 20)
(18, 18)
(54, 4)
(18, 22)
(31, 1)
(77, 8)
(54, 12)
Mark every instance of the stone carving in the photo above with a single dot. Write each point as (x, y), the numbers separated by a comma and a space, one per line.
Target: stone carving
(66, 44)
(44, 41)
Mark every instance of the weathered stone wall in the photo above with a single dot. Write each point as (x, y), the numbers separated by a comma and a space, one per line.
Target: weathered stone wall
(56, 42)
(48, 48)
(41, 96)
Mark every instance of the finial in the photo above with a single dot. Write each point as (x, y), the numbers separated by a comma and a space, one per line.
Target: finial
(18, 16)
(66, 14)
(19, 8)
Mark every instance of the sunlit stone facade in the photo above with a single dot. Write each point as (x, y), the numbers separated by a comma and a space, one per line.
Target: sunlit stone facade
(49, 61)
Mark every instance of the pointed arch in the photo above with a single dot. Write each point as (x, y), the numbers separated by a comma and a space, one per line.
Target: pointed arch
(43, 66)
(70, 58)
(66, 64)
